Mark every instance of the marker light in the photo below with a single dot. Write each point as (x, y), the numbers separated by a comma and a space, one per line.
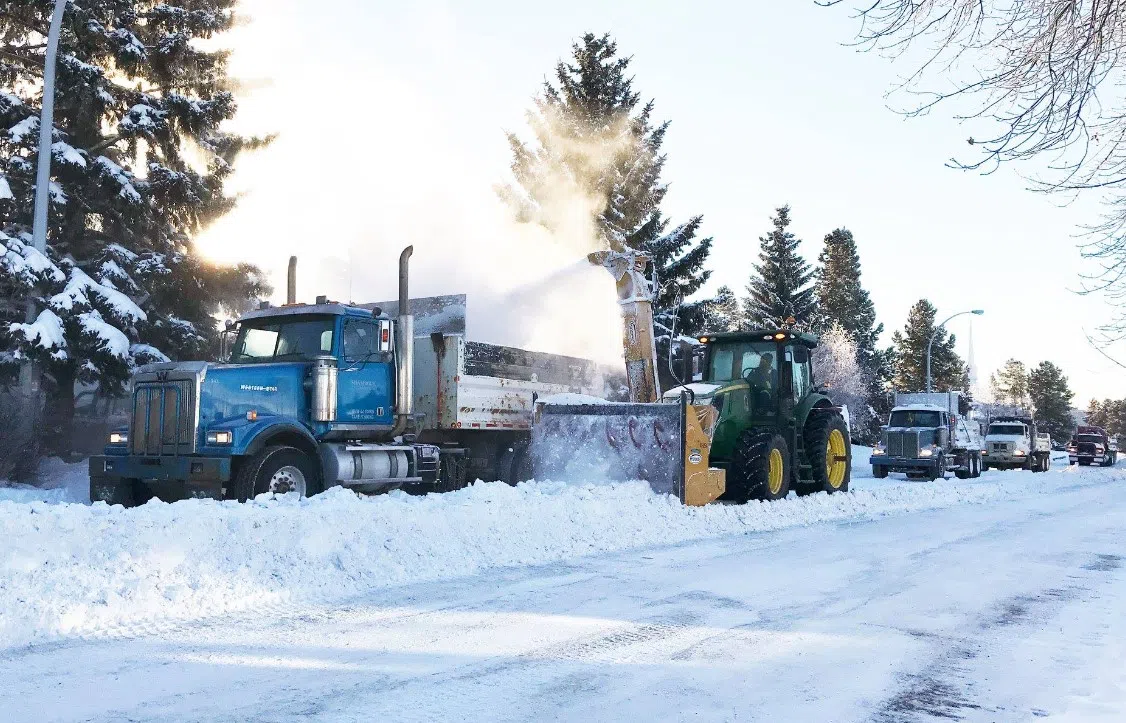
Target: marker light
(219, 437)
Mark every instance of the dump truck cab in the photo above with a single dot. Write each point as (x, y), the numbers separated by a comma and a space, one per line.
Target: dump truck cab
(311, 396)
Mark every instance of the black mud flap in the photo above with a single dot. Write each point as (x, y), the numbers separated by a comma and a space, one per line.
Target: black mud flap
(593, 443)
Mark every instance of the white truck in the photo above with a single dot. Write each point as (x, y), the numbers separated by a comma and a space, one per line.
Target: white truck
(926, 437)
(1012, 442)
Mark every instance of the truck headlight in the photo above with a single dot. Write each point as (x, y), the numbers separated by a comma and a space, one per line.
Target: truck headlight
(119, 438)
(878, 451)
(219, 437)
(926, 452)
(1018, 453)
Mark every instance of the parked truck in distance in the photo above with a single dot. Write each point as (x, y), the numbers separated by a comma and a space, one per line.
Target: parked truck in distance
(1012, 442)
(1091, 445)
(926, 437)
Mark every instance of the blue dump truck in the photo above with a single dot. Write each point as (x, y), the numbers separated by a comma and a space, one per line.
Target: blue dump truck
(316, 395)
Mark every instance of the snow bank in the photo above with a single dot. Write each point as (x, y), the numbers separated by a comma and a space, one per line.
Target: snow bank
(73, 570)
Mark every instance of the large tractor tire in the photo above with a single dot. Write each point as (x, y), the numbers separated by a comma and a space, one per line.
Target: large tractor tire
(829, 452)
(279, 470)
(760, 468)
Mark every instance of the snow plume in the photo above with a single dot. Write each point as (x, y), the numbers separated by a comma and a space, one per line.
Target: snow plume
(425, 172)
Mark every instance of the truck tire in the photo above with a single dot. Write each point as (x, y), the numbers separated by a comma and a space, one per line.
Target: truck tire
(829, 452)
(277, 469)
(938, 471)
(879, 471)
(984, 466)
(760, 468)
(1037, 464)
(515, 464)
(977, 466)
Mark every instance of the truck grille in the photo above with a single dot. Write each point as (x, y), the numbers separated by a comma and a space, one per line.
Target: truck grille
(163, 420)
(903, 444)
(1001, 447)
(1087, 448)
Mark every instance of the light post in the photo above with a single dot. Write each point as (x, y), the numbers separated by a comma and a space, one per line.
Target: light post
(975, 312)
(43, 171)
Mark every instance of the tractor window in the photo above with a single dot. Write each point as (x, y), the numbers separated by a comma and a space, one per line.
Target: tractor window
(283, 339)
(799, 369)
(758, 365)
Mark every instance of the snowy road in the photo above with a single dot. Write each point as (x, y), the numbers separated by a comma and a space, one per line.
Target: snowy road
(1010, 610)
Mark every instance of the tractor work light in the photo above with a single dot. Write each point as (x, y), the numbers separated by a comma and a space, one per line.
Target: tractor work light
(119, 438)
(219, 437)
(703, 340)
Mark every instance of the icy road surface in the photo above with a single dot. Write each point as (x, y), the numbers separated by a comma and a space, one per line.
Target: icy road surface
(1005, 606)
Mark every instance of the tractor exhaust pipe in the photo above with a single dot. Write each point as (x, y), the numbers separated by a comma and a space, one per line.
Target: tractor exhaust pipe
(291, 282)
(404, 344)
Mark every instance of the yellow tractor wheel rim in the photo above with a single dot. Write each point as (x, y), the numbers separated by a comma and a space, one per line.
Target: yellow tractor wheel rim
(836, 463)
(774, 474)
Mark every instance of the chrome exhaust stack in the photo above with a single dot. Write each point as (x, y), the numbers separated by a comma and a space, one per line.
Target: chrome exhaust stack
(404, 342)
(291, 282)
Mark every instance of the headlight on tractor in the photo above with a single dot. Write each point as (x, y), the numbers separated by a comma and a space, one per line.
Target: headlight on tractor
(119, 438)
(219, 437)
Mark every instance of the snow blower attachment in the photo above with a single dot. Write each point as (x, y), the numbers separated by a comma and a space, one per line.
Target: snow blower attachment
(667, 445)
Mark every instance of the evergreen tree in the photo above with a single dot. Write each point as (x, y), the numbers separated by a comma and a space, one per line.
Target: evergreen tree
(948, 371)
(723, 312)
(1051, 398)
(1095, 414)
(842, 301)
(597, 156)
(139, 163)
(1010, 385)
(781, 288)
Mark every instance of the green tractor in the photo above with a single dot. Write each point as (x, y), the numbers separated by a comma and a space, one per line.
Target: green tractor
(775, 429)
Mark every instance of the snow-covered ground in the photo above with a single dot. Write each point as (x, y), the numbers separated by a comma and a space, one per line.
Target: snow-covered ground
(995, 599)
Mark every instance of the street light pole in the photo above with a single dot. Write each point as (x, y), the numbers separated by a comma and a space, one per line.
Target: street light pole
(975, 312)
(43, 170)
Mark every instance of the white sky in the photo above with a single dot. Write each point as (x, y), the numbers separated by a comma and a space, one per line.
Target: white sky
(391, 125)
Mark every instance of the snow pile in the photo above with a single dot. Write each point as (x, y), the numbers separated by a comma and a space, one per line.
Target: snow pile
(90, 570)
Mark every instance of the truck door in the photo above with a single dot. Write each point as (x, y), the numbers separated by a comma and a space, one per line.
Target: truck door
(365, 392)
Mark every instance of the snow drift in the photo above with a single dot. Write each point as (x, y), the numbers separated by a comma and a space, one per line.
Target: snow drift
(77, 570)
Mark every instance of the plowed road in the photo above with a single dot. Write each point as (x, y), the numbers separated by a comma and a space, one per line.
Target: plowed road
(1011, 611)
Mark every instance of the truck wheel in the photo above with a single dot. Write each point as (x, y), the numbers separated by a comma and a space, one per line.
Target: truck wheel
(984, 466)
(278, 470)
(760, 468)
(977, 466)
(829, 451)
(451, 472)
(879, 471)
(937, 471)
(1047, 462)
(515, 464)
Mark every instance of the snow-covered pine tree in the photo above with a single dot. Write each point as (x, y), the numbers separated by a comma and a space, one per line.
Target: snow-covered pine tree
(948, 371)
(724, 313)
(780, 287)
(597, 151)
(1009, 385)
(1051, 398)
(138, 168)
(1096, 413)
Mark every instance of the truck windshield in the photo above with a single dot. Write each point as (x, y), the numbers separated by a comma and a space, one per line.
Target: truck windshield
(1009, 429)
(758, 361)
(1090, 438)
(915, 418)
(290, 338)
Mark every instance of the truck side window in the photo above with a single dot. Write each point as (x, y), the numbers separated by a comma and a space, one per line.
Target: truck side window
(360, 341)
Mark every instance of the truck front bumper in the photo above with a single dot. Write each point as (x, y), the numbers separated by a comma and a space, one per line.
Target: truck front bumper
(169, 478)
(1004, 460)
(904, 464)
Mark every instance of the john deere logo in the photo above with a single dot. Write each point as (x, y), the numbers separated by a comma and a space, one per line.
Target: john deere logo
(695, 457)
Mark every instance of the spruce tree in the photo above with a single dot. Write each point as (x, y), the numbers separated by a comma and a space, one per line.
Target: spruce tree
(723, 312)
(780, 288)
(1051, 398)
(596, 154)
(1010, 384)
(139, 163)
(948, 371)
(1096, 413)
